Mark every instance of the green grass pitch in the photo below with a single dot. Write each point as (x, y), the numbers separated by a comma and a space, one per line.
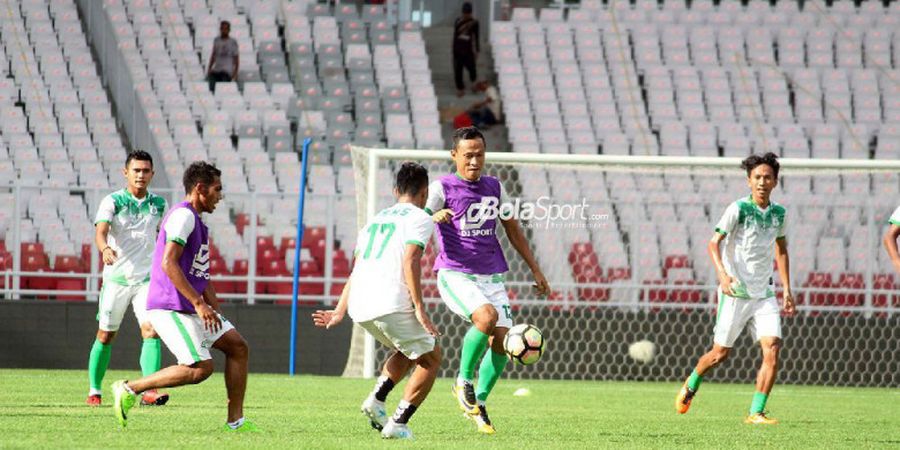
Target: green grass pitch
(44, 408)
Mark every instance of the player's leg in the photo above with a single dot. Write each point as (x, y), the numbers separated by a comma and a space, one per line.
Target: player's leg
(420, 383)
(407, 336)
(237, 356)
(462, 296)
(395, 368)
(767, 329)
(110, 310)
(151, 349)
(183, 335)
(494, 362)
(731, 317)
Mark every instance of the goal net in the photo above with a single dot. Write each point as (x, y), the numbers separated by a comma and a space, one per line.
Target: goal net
(622, 241)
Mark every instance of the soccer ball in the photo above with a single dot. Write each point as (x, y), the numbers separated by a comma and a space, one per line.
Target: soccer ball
(642, 351)
(524, 344)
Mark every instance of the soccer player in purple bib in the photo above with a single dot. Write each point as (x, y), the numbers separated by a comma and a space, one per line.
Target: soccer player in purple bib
(183, 307)
(470, 267)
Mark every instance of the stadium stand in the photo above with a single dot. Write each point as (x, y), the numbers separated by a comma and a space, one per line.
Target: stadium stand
(57, 132)
(705, 79)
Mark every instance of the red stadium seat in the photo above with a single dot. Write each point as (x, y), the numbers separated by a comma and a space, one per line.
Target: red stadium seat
(675, 262)
(218, 267)
(818, 298)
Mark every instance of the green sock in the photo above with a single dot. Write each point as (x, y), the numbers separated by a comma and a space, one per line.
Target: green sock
(151, 357)
(98, 363)
(693, 381)
(489, 372)
(759, 402)
(473, 347)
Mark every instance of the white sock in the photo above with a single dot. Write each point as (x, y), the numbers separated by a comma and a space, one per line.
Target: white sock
(236, 424)
(95, 392)
(480, 402)
(460, 380)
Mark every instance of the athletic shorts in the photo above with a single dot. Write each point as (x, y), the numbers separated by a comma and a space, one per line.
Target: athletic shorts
(464, 293)
(734, 313)
(114, 300)
(401, 331)
(184, 334)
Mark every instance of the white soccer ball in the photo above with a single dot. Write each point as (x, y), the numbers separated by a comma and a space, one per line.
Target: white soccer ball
(524, 344)
(642, 351)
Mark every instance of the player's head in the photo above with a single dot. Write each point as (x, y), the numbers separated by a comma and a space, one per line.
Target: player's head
(762, 173)
(202, 182)
(412, 183)
(138, 171)
(224, 28)
(468, 152)
(467, 8)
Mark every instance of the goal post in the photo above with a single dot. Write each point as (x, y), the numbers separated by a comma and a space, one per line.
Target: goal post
(634, 267)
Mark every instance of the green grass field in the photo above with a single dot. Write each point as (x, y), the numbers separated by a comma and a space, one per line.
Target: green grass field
(44, 408)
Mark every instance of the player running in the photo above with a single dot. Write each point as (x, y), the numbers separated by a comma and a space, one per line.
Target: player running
(753, 231)
(386, 276)
(183, 307)
(126, 225)
(470, 268)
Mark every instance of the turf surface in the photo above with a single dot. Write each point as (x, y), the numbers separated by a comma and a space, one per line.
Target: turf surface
(45, 408)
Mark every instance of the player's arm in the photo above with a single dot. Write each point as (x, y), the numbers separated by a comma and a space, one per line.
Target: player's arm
(169, 264)
(784, 272)
(520, 243)
(210, 297)
(101, 236)
(328, 319)
(890, 244)
(412, 273)
(435, 203)
(102, 225)
(712, 249)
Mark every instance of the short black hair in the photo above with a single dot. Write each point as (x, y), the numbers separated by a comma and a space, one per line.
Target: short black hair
(199, 172)
(467, 8)
(225, 22)
(466, 133)
(411, 178)
(138, 155)
(753, 161)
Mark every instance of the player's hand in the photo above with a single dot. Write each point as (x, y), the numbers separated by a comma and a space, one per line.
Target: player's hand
(442, 216)
(109, 256)
(789, 306)
(327, 319)
(540, 284)
(423, 319)
(210, 318)
(725, 282)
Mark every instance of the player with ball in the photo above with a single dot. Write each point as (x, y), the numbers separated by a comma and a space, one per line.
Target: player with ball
(470, 268)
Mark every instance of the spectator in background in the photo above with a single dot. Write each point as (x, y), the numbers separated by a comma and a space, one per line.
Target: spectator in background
(465, 47)
(225, 59)
(486, 112)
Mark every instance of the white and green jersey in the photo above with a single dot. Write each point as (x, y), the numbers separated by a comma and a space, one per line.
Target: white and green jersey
(132, 234)
(895, 217)
(750, 233)
(377, 285)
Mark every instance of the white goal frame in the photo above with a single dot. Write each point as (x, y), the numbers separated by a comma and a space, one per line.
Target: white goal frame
(373, 158)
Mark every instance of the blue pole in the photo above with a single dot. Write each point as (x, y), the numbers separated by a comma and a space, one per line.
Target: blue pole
(297, 242)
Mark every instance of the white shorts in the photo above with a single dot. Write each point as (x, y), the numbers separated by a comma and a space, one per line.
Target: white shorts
(114, 300)
(733, 314)
(464, 293)
(401, 331)
(184, 334)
